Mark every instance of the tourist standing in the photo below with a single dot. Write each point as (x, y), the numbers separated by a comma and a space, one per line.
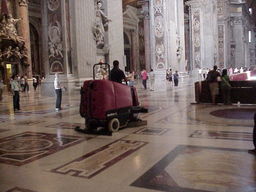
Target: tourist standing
(212, 79)
(225, 87)
(170, 75)
(131, 79)
(176, 78)
(15, 87)
(1, 89)
(58, 91)
(152, 80)
(144, 77)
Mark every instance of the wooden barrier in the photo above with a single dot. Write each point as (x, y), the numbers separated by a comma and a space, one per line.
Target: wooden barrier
(241, 91)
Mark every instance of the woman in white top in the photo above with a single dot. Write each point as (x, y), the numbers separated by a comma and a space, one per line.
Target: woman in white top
(58, 91)
(152, 80)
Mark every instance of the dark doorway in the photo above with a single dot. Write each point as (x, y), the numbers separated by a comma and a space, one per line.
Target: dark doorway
(35, 51)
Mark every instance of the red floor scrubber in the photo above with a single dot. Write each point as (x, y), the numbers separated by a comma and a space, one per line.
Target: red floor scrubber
(107, 106)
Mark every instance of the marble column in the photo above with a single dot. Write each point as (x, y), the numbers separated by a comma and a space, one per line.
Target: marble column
(146, 20)
(83, 45)
(204, 33)
(23, 28)
(116, 32)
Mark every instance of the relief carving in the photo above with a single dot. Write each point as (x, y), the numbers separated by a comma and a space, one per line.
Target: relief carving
(55, 43)
(160, 52)
(53, 5)
(158, 7)
(196, 38)
(159, 28)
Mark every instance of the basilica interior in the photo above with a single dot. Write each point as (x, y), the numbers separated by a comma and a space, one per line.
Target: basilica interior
(185, 144)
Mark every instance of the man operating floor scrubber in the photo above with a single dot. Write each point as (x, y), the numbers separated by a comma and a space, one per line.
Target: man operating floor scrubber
(108, 105)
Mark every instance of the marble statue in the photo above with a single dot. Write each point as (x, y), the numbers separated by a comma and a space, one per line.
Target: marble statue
(23, 2)
(8, 52)
(10, 26)
(100, 26)
(17, 53)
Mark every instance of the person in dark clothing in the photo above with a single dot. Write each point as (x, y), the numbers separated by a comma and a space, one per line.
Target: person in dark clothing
(212, 79)
(176, 78)
(116, 74)
(253, 151)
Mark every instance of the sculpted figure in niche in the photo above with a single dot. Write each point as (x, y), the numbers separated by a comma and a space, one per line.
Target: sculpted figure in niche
(100, 25)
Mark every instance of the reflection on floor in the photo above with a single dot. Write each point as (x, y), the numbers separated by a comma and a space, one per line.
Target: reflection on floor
(228, 135)
(183, 148)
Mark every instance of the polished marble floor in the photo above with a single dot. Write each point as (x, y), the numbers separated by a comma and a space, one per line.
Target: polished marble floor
(184, 147)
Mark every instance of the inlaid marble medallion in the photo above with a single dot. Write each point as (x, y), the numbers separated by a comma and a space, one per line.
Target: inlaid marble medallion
(152, 131)
(96, 161)
(18, 189)
(202, 169)
(26, 147)
(227, 135)
(65, 125)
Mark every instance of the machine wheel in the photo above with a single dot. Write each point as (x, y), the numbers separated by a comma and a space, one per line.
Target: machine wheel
(113, 125)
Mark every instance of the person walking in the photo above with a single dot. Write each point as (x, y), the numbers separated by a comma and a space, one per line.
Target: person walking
(35, 82)
(152, 80)
(212, 79)
(15, 88)
(116, 74)
(58, 91)
(1, 89)
(144, 77)
(176, 78)
(225, 87)
(26, 85)
(253, 151)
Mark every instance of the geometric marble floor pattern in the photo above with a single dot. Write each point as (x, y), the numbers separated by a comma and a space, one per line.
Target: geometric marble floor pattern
(202, 169)
(183, 147)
